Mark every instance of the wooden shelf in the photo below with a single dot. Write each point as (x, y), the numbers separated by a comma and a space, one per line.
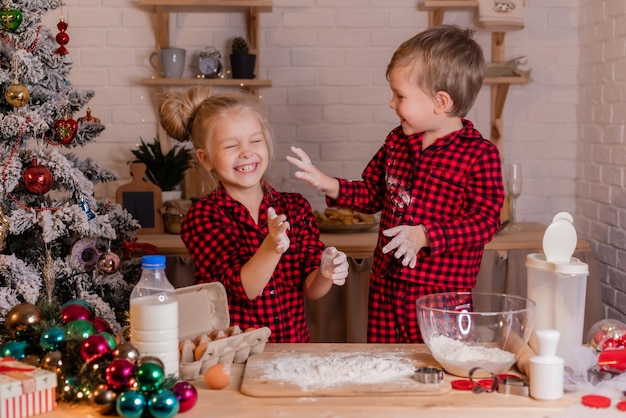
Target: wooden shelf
(437, 8)
(207, 3)
(218, 82)
(250, 7)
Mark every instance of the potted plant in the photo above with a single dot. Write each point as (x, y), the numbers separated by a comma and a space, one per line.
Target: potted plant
(242, 62)
(165, 170)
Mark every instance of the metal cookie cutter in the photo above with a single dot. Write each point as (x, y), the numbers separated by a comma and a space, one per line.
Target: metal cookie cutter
(513, 386)
(429, 375)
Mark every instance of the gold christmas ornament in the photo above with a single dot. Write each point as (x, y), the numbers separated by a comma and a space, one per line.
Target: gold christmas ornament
(21, 317)
(17, 95)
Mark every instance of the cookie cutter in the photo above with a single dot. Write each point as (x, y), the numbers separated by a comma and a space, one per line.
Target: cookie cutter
(514, 386)
(428, 375)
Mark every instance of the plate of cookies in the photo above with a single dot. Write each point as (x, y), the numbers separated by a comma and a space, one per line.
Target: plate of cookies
(344, 220)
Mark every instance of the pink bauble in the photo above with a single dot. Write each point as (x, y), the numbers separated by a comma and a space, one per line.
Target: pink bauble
(72, 312)
(120, 374)
(93, 347)
(186, 394)
(101, 325)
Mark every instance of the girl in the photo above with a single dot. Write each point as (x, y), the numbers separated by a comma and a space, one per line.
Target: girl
(263, 245)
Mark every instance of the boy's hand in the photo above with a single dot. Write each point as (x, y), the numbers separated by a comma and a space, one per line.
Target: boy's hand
(277, 226)
(309, 173)
(334, 266)
(407, 242)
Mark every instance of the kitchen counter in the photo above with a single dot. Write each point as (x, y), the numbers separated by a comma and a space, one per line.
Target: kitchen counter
(231, 403)
(362, 244)
(341, 315)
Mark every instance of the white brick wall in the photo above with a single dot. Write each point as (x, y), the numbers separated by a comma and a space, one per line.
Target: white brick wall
(600, 189)
(327, 61)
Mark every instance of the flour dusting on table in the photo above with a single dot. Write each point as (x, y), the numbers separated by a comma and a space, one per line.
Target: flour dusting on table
(334, 369)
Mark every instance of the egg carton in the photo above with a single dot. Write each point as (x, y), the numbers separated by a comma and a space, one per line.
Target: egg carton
(203, 309)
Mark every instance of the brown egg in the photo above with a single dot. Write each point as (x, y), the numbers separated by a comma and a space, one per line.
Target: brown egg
(200, 350)
(217, 376)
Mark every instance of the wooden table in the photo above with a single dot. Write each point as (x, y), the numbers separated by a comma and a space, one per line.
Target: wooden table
(361, 244)
(231, 403)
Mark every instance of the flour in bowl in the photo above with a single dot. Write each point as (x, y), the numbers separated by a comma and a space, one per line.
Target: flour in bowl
(334, 369)
(458, 357)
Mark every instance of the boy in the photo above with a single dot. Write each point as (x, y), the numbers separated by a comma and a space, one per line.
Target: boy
(437, 181)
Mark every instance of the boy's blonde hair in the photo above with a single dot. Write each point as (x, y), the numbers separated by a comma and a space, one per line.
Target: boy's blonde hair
(192, 115)
(444, 58)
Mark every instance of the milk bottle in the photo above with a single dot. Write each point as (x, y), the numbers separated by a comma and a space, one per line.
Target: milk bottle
(154, 314)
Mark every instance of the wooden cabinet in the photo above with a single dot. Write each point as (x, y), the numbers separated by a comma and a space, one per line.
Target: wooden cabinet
(251, 8)
(499, 85)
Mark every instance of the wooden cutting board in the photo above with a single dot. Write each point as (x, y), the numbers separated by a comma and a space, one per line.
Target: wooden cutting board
(261, 378)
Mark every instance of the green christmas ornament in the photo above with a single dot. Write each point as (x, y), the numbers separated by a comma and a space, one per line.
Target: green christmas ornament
(150, 377)
(110, 339)
(15, 349)
(80, 328)
(11, 19)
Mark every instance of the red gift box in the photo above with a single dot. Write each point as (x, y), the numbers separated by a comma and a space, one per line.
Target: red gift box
(25, 390)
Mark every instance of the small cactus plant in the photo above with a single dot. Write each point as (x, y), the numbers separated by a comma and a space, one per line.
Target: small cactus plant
(240, 46)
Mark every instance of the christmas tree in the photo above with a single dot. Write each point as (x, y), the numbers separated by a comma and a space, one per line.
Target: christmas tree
(57, 241)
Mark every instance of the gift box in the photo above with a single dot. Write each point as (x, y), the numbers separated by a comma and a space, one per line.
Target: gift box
(202, 309)
(25, 390)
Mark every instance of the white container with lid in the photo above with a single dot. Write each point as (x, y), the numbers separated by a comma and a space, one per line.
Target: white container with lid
(546, 368)
(557, 282)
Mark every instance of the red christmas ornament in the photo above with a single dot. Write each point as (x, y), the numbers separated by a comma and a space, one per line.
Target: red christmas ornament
(187, 395)
(93, 347)
(102, 325)
(37, 179)
(73, 312)
(88, 117)
(66, 130)
(120, 374)
(62, 38)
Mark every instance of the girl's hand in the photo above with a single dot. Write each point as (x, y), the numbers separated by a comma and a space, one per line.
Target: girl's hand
(309, 173)
(277, 226)
(334, 266)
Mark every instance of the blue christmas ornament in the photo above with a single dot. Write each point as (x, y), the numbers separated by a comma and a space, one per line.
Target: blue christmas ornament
(131, 404)
(52, 338)
(85, 206)
(163, 404)
(15, 349)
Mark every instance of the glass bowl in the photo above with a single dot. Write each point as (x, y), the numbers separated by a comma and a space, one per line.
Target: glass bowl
(464, 330)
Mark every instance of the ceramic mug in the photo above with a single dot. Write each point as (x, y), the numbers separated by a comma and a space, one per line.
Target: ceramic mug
(170, 63)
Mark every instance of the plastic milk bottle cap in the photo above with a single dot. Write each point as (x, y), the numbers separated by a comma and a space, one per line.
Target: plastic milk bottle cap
(559, 240)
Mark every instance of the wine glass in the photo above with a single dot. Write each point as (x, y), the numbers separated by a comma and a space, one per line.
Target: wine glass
(513, 179)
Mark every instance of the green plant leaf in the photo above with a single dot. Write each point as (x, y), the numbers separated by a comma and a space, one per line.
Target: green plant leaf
(165, 170)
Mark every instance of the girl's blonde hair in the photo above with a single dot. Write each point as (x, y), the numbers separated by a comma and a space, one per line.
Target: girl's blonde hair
(444, 58)
(192, 116)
